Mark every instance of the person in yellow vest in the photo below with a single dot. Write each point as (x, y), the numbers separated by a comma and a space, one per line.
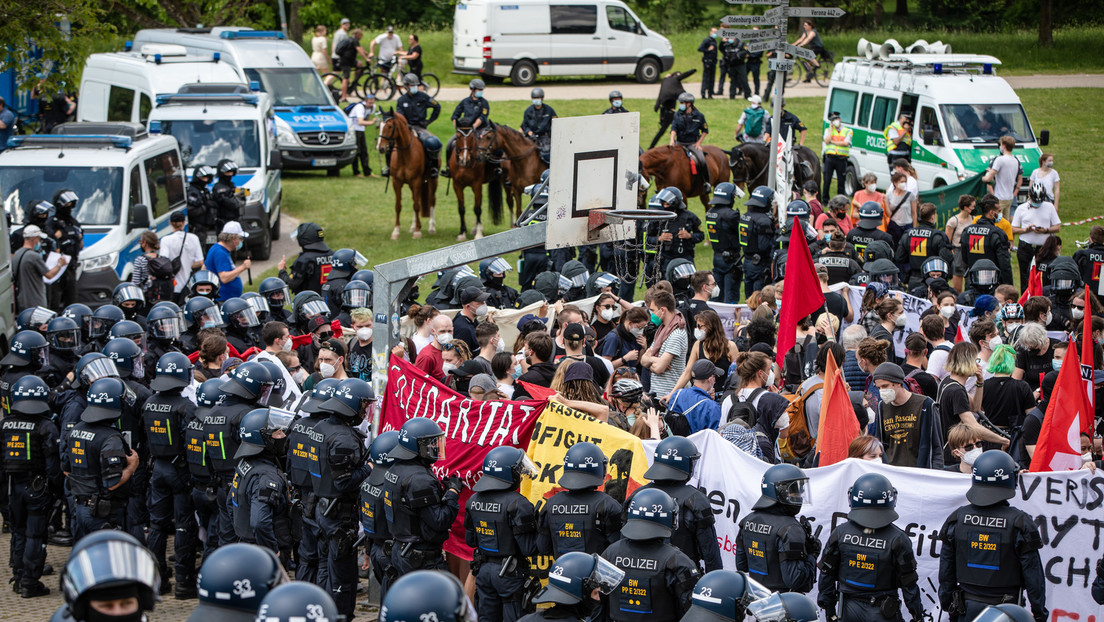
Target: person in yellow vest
(898, 137)
(837, 146)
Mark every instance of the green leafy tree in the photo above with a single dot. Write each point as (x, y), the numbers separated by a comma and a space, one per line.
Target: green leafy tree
(46, 41)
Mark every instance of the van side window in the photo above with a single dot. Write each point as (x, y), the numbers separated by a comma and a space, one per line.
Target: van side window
(885, 112)
(929, 122)
(864, 110)
(144, 107)
(843, 102)
(135, 187)
(574, 19)
(120, 104)
(619, 19)
(166, 187)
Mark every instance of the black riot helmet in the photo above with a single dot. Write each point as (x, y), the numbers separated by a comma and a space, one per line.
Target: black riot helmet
(28, 349)
(237, 314)
(599, 281)
(425, 595)
(994, 478)
(164, 323)
(346, 261)
(678, 273)
(63, 333)
(310, 236)
(275, 291)
(90, 368)
(584, 467)
(226, 572)
(872, 499)
(1065, 278)
(34, 318)
(200, 313)
(355, 295)
(934, 264)
(321, 392)
(573, 576)
(576, 273)
(259, 304)
(103, 319)
(306, 305)
(674, 460)
(724, 194)
(366, 276)
(503, 468)
(128, 329)
(106, 565)
(493, 268)
(173, 371)
(127, 292)
(380, 454)
(81, 314)
(420, 437)
(257, 431)
(785, 485)
(883, 271)
(298, 601)
(250, 381)
(983, 276)
(209, 394)
(105, 400)
(652, 513)
(1007, 612)
(723, 596)
(226, 168)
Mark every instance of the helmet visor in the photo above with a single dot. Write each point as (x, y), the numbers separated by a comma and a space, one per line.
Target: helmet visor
(606, 280)
(935, 264)
(793, 492)
(259, 305)
(67, 339)
(40, 356)
(99, 368)
(769, 609)
(1063, 284)
(461, 273)
(754, 590)
(499, 266)
(606, 577)
(99, 326)
(109, 562)
(359, 260)
(986, 277)
(279, 419)
(356, 298)
(278, 297)
(579, 280)
(165, 328)
(432, 448)
(312, 308)
(41, 315)
(128, 292)
(683, 271)
(525, 467)
(564, 282)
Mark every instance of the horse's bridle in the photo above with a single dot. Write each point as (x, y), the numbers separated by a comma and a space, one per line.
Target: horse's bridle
(485, 152)
(747, 168)
(467, 132)
(389, 140)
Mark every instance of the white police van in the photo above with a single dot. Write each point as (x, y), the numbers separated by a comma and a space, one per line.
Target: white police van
(960, 109)
(215, 121)
(522, 39)
(128, 182)
(311, 131)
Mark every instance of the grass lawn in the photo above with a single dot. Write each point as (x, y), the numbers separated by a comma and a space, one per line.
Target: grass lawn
(357, 213)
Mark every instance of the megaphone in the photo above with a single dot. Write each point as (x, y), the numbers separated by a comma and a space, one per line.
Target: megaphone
(919, 47)
(866, 48)
(939, 48)
(889, 47)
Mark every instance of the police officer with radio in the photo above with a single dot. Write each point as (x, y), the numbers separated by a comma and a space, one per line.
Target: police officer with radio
(985, 240)
(695, 534)
(469, 115)
(31, 466)
(415, 105)
(868, 559)
(757, 232)
(372, 516)
(229, 202)
(312, 267)
(501, 526)
(580, 517)
(205, 484)
(202, 210)
(69, 239)
(722, 225)
(866, 231)
(671, 239)
(304, 443)
(259, 492)
(659, 578)
(990, 551)
(536, 123)
(922, 242)
(420, 509)
(776, 549)
(576, 582)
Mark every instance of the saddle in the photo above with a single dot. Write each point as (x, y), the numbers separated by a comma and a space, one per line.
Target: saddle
(698, 165)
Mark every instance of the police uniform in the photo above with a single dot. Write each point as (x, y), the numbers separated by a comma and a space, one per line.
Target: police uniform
(206, 490)
(414, 105)
(312, 267)
(616, 110)
(866, 567)
(904, 150)
(374, 522)
(689, 126)
(221, 427)
(95, 457)
(984, 240)
(500, 525)
(261, 503)
(469, 110)
(1089, 260)
(708, 49)
(917, 245)
(790, 123)
(228, 204)
(659, 581)
(202, 212)
(722, 226)
(837, 149)
(419, 514)
(862, 236)
(841, 265)
(304, 443)
(578, 520)
(539, 122)
(696, 535)
(64, 290)
(757, 231)
(734, 65)
(663, 252)
(771, 547)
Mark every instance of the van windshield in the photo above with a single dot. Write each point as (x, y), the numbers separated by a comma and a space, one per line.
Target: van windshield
(291, 86)
(207, 142)
(100, 189)
(986, 123)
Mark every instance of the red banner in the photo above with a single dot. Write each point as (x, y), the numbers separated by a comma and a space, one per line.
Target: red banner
(472, 428)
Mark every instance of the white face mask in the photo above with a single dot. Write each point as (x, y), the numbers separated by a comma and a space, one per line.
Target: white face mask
(783, 421)
(754, 106)
(770, 379)
(1049, 317)
(636, 332)
(716, 292)
(900, 321)
(872, 188)
(444, 338)
(326, 370)
(971, 455)
(835, 123)
(287, 346)
(364, 334)
(994, 342)
(300, 376)
(902, 186)
(887, 395)
(447, 367)
(608, 314)
(946, 312)
(1077, 313)
(869, 415)
(699, 334)
(500, 345)
(1087, 457)
(481, 310)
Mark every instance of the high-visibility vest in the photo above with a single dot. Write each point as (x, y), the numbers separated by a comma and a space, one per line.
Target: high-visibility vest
(906, 143)
(839, 141)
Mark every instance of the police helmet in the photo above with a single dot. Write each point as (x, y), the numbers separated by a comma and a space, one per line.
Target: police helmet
(883, 270)
(575, 575)
(355, 295)
(652, 513)
(411, 80)
(798, 208)
(528, 297)
(346, 261)
(761, 197)
(90, 368)
(105, 400)
(627, 390)
(202, 172)
(419, 437)
(785, 607)
(257, 428)
(63, 333)
(65, 200)
(615, 94)
(298, 601)
(200, 312)
(670, 197)
(1037, 193)
(306, 305)
(723, 596)
(275, 291)
(226, 166)
(250, 381)
(685, 98)
(878, 249)
(163, 323)
(872, 499)
(934, 264)
(365, 276)
(674, 459)
(127, 357)
(379, 452)
(599, 281)
(492, 266)
(1011, 311)
(80, 313)
(237, 313)
(103, 318)
(106, 565)
(723, 194)
(576, 274)
(536, 93)
(236, 578)
(983, 275)
(1007, 612)
(259, 304)
(584, 467)
(426, 595)
(783, 484)
(204, 280)
(41, 210)
(1064, 276)
(322, 391)
(128, 329)
(28, 347)
(174, 371)
(279, 384)
(352, 399)
(994, 478)
(679, 272)
(30, 396)
(503, 468)
(209, 394)
(127, 292)
(870, 211)
(551, 285)
(32, 318)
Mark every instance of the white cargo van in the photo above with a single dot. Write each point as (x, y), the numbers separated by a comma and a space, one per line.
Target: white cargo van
(216, 121)
(522, 39)
(960, 109)
(311, 131)
(128, 182)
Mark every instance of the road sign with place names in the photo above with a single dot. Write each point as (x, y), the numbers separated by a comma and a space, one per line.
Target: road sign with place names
(763, 46)
(761, 2)
(793, 50)
(777, 64)
(776, 12)
(802, 11)
(750, 20)
(750, 35)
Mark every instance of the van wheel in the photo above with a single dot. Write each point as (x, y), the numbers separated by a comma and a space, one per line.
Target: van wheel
(524, 73)
(647, 71)
(263, 251)
(850, 181)
(276, 227)
(939, 182)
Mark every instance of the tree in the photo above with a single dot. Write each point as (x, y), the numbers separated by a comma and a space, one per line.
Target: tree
(902, 9)
(190, 13)
(1046, 23)
(46, 41)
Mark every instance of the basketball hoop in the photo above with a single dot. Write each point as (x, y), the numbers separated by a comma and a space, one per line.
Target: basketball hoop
(598, 219)
(628, 251)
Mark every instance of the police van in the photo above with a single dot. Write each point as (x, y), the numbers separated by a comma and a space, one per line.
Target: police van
(128, 182)
(213, 122)
(960, 109)
(311, 131)
(522, 39)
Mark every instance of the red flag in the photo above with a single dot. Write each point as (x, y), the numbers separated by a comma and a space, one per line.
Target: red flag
(1059, 446)
(838, 426)
(801, 295)
(958, 334)
(1087, 366)
(1034, 284)
(301, 340)
(536, 391)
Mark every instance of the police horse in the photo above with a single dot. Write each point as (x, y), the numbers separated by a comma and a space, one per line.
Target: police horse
(670, 166)
(750, 163)
(520, 156)
(408, 168)
(469, 170)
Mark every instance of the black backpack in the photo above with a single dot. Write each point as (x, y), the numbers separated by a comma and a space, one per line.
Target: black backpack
(162, 272)
(744, 412)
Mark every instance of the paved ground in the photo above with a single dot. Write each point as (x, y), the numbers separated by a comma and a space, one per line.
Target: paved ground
(285, 246)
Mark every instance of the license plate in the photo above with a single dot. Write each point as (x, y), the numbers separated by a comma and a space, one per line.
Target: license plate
(324, 162)
(212, 238)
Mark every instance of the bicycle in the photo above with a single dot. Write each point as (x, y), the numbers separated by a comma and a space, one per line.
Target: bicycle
(821, 74)
(396, 71)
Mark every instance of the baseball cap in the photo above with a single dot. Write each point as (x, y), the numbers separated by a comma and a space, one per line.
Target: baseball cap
(345, 20)
(574, 332)
(755, 99)
(468, 368)
(833, 115)
(703, 369)
(178, 216)
(529, 317)
(234, 228)
(390, 29)
(484, 382)
(32, 230)
(579, 371)
(473, 294)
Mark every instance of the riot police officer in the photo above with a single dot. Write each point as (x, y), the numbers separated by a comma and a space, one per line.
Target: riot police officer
(259, 492)
(82, 315)
(1090, 259)
(689, 129)
(202, 283)
(223, 595)
(343, 465)
(28, 353)
(372, 516)
(31, 465)
(493, 272)
(415, 106)
(276, 292)
(68, 237)
(722, 225)
(500, 525)
(922, 242)
(470, 114)
(671, 469)
(838, 259)
(205, 485)
(580, 517)
(229, 203)
(164, 416)
(240, 320)
(344, 263)
(202, 210)
(757, 232)
(199, 313)
(659, 578)
(312, 267)
(164, 325)
(985, 240)
(616, 103)
(723, 596)
(734, 57)
(295, 601)
(90, 368)
(419, 509)
(866, 231)
(98, 461)
(981, 278)
(1006, 612)
(868, 559)
(674, 238)
(972, 576)
(576, 581)
(104, 568)
(1065, 280)
(130, 299)
(355, 295)
(784, 607)
(794, 209)
(426, 595)
(933, 278)
(772, 545)
(536, 123)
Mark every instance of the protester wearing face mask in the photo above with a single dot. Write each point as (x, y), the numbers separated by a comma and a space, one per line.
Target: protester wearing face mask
(906, 422)
(622, 346)
(757, 390)
(330, 363)
(965, 446)
(360, 348)
(1035, 353)
(277, 339)
(710, 344)
(490, 343)
(473, 309)
(537, 366)
(869, 192)
(606, 314)
(29, 269)
(429, 358)
(220, 260)
(891, 318)
(503, 364)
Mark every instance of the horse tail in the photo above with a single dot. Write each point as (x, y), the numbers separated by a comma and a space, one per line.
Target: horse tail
(494, 198)
(426, 195)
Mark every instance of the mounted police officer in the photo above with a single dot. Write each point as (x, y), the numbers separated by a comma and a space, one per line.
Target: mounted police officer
(259, 492)
(205, 485)
(304, 443)
(723, 596)
(31, 468)
(576, 582)
(837, 150)
(722, 226)
(689, 129)
(501, 526)
(868, 559)
(202, 210)
(659, 578)
(68, 236)
(107, 568)
(229, 201)
(470, 114)
(616, 103)
(580, 517)
(757, 233)
(985, 240)
(675, 238)
(312, 267)
(772, 545)
(866, 231)
(990, 551)
(922, 242)
(695, 534)
(233, 582)
(372, 516)
(536, 124)
(420, 509)
(415, 105)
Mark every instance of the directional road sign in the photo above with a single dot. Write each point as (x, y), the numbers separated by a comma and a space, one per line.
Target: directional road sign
(763, 46)
(796, 51)
(751, 35)
(776, 64)
(801, 11)
(761, 2)
(750, 20)
(778, 11)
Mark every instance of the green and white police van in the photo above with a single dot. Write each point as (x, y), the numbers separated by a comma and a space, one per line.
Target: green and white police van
(960, 109)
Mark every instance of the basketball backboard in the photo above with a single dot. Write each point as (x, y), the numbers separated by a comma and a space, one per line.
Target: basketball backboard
(595, 161)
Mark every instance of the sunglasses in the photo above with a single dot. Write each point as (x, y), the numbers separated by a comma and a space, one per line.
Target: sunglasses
(325, 335)
(295, 368)
(969, 446)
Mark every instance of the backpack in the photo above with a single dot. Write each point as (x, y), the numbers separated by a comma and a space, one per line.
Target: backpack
(162, 275)
(798, 365)
(754, 125)
(349, 108)
(799, 441)
(743, 411)
(912, 384)
(347, 44)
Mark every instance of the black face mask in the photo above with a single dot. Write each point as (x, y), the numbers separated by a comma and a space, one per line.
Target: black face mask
(96, 616)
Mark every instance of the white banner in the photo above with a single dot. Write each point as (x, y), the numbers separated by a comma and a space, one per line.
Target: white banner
(731, 316)
(913, 308)
(1066, 506)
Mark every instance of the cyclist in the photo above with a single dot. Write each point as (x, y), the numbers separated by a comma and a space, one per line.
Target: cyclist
(389, 45)
(811, 39)
(347, 51)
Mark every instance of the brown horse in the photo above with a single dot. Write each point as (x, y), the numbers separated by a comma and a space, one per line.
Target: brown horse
(669, 166)
(469, 170)
(408, 167)
(750, 163)
(521, 157)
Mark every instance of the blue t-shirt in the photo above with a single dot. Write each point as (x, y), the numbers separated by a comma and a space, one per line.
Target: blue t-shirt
(7, 117)
(219, 260)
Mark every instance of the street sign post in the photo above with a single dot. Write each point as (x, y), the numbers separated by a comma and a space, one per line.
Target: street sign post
(778, 64)
(749, 35)
(758, 2)
(793, 50)
(776, 12)
(763, 46)
(828, 12)
(750, 20)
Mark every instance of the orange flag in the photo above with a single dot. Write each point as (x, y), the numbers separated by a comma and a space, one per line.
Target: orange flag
(838, 426)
